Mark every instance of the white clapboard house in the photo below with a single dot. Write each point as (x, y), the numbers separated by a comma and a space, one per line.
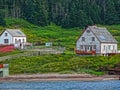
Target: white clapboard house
(13, 37)
(96, 40)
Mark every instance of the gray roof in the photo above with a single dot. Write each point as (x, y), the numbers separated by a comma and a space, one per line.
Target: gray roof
(102, 34)
(16, 32)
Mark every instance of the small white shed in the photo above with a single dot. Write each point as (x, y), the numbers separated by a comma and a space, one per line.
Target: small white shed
(13, 36)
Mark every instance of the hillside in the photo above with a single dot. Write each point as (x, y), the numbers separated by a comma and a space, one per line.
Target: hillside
(65, 63)
(50, 33)
(54, 33)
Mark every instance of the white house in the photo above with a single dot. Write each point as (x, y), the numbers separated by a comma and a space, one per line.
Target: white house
(96, 39)
(13, 36)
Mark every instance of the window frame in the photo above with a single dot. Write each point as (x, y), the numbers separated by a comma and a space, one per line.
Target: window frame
(83, 38)
(81, 46)
(6, 34)
(94, 47)
(88, 31)
(19, 40)
(93, 38)
(109, 47)
(6, 41)
(23, 40)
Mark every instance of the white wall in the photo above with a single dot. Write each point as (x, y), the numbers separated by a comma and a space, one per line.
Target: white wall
(88, 41)
(9, 37)
(21, 38)
(17, 42)
(108, 48)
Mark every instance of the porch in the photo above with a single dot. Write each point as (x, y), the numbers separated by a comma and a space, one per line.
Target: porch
(86, 50)
(80, 52)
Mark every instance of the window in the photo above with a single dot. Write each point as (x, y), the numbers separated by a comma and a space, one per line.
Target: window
(94, 46)
(109, 47)
(102, 37)
(15, 40)
(83, 38)
(19, 33)
(20, 40)
(93, 38)
(88, 31)
(104, 47)
(81, 47)
(23, 40)
(6, 34)
(113, 47)
(6, 41)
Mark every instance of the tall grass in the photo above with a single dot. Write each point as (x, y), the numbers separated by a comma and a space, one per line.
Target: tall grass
(62, 64)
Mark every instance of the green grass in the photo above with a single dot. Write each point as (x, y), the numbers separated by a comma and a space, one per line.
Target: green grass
(10, 53)
(93, 72)
(62, 64)
(68, 62)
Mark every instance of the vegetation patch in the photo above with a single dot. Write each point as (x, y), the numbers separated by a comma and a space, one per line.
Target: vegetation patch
(97, 65)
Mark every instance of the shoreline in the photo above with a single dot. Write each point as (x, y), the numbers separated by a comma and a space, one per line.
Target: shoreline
(57, 77)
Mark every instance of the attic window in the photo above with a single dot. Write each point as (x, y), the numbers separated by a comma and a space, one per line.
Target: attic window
(88, 31)
(18, 32)
(6, 34)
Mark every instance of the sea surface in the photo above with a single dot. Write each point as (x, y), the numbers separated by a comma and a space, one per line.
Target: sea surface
(62, 85)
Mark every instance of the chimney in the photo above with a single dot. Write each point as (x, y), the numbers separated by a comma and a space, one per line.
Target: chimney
(94, 26)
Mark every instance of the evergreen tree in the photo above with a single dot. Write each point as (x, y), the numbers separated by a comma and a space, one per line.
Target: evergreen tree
(78, 18)
(2, 21)
(41, 13)
(111, 14)
(117, 6)
(94, 12)
(29, 10)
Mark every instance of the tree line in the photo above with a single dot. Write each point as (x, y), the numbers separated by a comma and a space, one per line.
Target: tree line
(65, 13)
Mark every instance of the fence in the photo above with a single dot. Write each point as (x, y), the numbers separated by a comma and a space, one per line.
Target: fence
(34, 52)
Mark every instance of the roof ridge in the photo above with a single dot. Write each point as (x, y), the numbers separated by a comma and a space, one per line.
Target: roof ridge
(15, 32)
(102, 34)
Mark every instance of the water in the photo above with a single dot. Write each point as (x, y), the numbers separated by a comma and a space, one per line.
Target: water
(62, 85)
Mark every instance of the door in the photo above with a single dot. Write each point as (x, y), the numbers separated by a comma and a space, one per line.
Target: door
(1, 73)
(89, 48)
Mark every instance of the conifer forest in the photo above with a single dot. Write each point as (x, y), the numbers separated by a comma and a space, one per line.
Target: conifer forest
(65, 13)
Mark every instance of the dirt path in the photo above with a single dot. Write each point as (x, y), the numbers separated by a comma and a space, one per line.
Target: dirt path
(57, 77)
(32, 52)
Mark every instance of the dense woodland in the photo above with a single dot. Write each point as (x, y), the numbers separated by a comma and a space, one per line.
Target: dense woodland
(65, 13)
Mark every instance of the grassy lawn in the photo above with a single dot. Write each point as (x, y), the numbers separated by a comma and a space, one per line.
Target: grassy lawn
(66, 63)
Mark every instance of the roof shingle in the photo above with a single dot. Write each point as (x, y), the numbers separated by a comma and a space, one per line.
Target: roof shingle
(16, 32)
(102, 34)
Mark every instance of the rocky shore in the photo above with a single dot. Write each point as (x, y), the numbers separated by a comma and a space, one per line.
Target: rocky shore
(57, 77)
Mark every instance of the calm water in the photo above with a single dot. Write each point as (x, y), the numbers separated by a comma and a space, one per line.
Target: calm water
(62, 85)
